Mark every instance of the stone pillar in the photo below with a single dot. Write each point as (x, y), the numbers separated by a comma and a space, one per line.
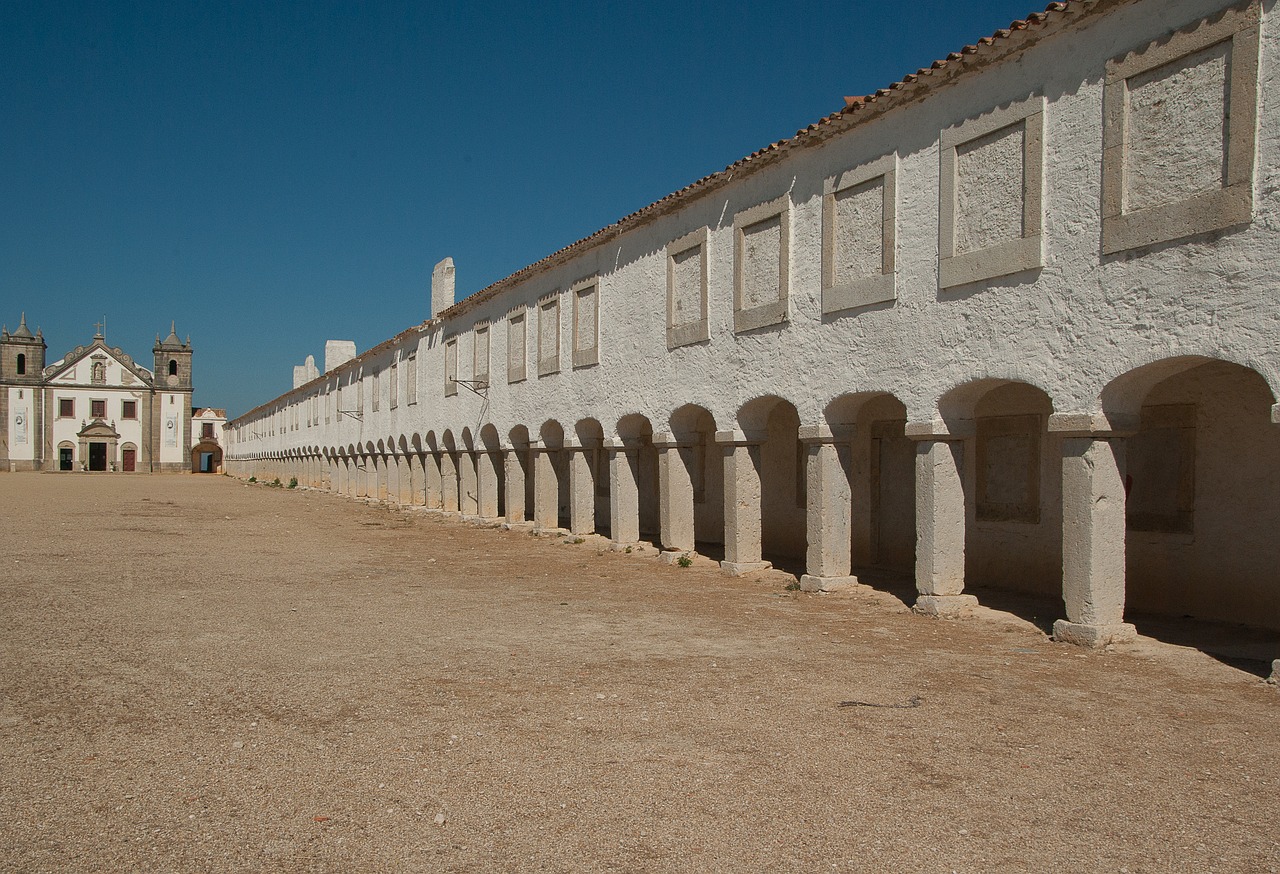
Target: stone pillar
(828, 512)
(513, 476)
(415, 480)
(582, 488)
(675, 494)
(432, 484)
(404, 476)
(742, 519)
(624, 489)
(468, 488)
(1093, 542)
(546, 488)
(940, 520)
(487, 462)
(448, 482)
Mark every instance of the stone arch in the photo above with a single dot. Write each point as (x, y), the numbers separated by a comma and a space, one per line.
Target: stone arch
(700, 490)
(589, 478)
(1202, 480)
(641, 456)
(519, 476)
(551, 508)
(773, 424)
(448, 472)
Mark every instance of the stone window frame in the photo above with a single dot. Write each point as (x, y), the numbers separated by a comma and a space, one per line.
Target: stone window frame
(393, 383)
(549, 360)
(518, 372)
(690, 332)
(411, 378)
(871, 289)
(480, 369)
(1208, 211)
(375, 391)
(98, 408)
(125, 412)
(775, 312)
(451, 366)
(591, 355)
(1011, 256)
(66, 408)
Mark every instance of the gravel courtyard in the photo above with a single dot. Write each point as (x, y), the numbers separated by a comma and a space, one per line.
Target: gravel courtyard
(204, 675)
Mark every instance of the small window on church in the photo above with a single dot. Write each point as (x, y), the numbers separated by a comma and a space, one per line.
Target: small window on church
(22, 364)
(173, 367)
(128, 409)
(98, 409)
(206, 431)
(66, 408)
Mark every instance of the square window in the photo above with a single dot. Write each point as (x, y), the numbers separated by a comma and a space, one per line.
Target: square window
(1179, 125)
(66, 408)
(761, 264)
(586, 322)
(991, 195)
(98, 409)
(481, 354)
(451, 367)
(517, 352)
(549, 335)
(128, 409)
(687, 290)
(206, 431)
(859, 217)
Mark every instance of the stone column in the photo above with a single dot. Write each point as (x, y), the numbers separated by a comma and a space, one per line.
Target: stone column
(415, 480)
(448, 482)
(1093, 542)
(742, 519)
(514, 477)
(582, 487)
(404, 476)
(828, 511)
(432, 484)
(546, 488)
(468, 488)
(624, 489)
(675, 494)
(940, 522)
(487, 462)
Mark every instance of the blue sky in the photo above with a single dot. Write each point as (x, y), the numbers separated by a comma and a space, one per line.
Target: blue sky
(271, 175)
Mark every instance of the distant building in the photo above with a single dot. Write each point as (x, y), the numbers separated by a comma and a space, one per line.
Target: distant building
(206, 439)
(94, 409)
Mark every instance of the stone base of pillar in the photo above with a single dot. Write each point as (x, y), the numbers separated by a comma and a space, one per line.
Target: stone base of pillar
(633, 548)
(810, 583)
(673, 556)
(550, 532)
(944, 605)
(1274, 679)
(517, 526)
(1092, 636)
(739, 568)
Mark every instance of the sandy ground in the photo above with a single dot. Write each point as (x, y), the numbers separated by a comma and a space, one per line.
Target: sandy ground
(203, 675)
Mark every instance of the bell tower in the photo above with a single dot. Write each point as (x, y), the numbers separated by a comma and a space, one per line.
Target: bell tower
(173, 362)
(22, 355)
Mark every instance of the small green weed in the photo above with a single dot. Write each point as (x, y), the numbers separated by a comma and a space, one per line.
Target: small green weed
(793, 587)
(253, 479)
(293, 482)
(685, 560)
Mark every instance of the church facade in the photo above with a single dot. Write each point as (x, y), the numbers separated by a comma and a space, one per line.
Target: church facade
(95, 409)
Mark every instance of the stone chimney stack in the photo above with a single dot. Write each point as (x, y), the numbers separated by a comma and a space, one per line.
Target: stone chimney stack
(299, 375)
(310, 365)
(338, 353)
(441, 287)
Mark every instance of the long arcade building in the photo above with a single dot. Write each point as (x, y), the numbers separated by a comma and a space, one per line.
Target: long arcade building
(1012, 321)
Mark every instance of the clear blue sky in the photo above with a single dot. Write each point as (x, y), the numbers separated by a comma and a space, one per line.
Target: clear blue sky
(271, 175)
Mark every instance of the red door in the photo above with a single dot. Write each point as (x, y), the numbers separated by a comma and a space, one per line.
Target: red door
(128, 459)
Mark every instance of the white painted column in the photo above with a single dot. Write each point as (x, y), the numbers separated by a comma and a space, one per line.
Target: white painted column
(742, 510)
(675, 494)
(546, 488)
(468, 488)
(624, 490)
(582, 488)
(514, 478)
(448, 482)
(432, 483)
(828, 511)
(487, 483)
(1093, 542)
(940, 524)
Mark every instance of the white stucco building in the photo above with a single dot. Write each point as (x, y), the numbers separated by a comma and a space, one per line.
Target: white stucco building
(1011, 322)
(95, 409)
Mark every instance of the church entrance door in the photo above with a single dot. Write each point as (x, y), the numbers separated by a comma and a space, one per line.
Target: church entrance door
(97, 456)
(65, 458)
(128, 460)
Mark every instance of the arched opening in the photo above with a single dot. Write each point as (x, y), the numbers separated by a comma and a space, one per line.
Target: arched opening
(519, 477)
(589, 479)
(66, 456)
(694, 430)
(1202, 476)
(173, 367)
(775, 424)
(642, 459)
(22, 363)
(448, 472)
(491, 470)
(206, 457)
(551, 478)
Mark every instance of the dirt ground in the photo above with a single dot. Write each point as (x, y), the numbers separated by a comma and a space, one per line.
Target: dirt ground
(204, 675)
